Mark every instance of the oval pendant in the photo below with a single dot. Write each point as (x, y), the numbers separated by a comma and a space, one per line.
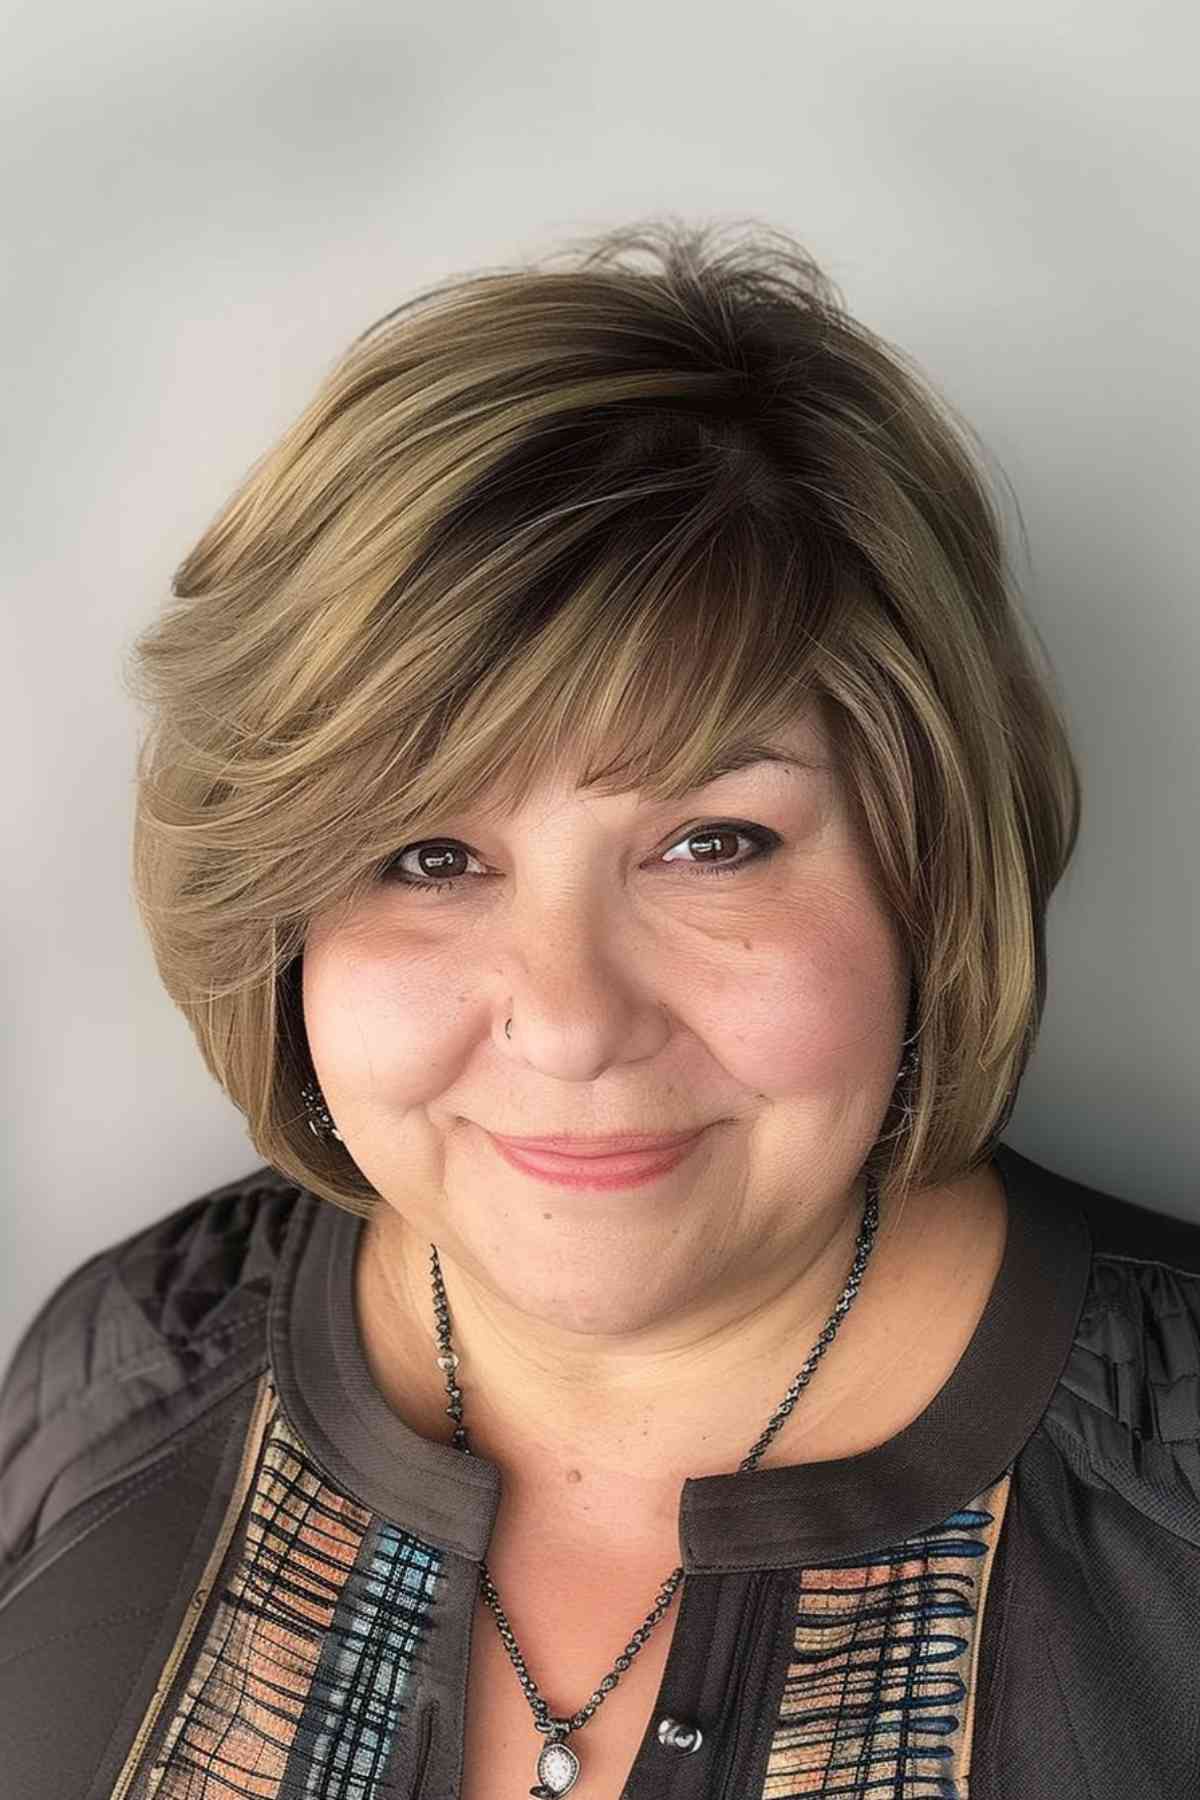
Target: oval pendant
(557, 1772)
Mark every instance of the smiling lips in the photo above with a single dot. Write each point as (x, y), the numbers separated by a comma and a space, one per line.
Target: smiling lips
(584, 1148)
(599, 1169)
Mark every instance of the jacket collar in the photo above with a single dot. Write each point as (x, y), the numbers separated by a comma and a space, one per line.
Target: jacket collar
(783, 1516)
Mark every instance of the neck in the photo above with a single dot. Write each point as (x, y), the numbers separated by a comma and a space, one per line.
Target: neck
(690, 1395)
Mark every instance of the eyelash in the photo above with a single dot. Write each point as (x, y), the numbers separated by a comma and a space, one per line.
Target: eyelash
(767, 843)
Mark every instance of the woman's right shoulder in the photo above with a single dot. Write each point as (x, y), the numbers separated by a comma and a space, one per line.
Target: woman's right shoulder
(132, 1344)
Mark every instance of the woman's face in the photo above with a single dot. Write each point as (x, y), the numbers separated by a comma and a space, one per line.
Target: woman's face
(646, 995)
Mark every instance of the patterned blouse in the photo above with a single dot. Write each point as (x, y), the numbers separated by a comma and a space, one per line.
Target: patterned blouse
(229, 1569)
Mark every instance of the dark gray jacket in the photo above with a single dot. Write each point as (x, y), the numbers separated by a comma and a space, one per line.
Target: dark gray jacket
(228, 1568)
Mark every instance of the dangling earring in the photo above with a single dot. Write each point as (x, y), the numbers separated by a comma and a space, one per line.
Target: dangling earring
(319, 1121)
(905, 1074)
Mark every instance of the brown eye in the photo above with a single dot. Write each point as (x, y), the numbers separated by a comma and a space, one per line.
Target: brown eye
(718, 845)
(432, 860)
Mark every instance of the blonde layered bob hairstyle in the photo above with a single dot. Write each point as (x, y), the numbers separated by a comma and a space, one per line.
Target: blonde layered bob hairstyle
(617, 509)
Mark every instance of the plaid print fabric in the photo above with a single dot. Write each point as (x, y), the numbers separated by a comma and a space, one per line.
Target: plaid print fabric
(299, 1685)
(879, 1696)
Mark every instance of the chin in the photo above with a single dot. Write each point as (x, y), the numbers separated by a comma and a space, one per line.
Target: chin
(569, 1299)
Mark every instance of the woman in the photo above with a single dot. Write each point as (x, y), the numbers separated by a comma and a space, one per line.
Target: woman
(606, 716)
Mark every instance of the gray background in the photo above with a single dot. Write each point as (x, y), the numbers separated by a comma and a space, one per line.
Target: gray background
(203, 203)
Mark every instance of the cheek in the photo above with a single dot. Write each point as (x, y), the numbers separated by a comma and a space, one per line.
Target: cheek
(379, 1024)
(825, 1014)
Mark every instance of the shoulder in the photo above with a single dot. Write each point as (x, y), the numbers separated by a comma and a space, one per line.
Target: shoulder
(1127, 1407)
(132, 1344)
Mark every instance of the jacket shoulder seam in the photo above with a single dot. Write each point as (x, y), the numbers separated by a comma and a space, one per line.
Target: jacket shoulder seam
(1148, 1262)
(1117, 1478)
(126, 1484)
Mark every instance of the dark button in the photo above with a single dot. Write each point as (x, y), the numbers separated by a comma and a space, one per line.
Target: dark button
(675, 1735)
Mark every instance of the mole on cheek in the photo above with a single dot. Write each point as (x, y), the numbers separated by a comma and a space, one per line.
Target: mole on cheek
(573, 1475)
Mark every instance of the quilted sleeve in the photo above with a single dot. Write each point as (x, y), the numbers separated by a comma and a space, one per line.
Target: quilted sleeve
(1129, 1399)
(130, 1346)
(25, 1401)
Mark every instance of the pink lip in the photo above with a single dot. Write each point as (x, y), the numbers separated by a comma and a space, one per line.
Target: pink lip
(579, 1148)
(622, 1170)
